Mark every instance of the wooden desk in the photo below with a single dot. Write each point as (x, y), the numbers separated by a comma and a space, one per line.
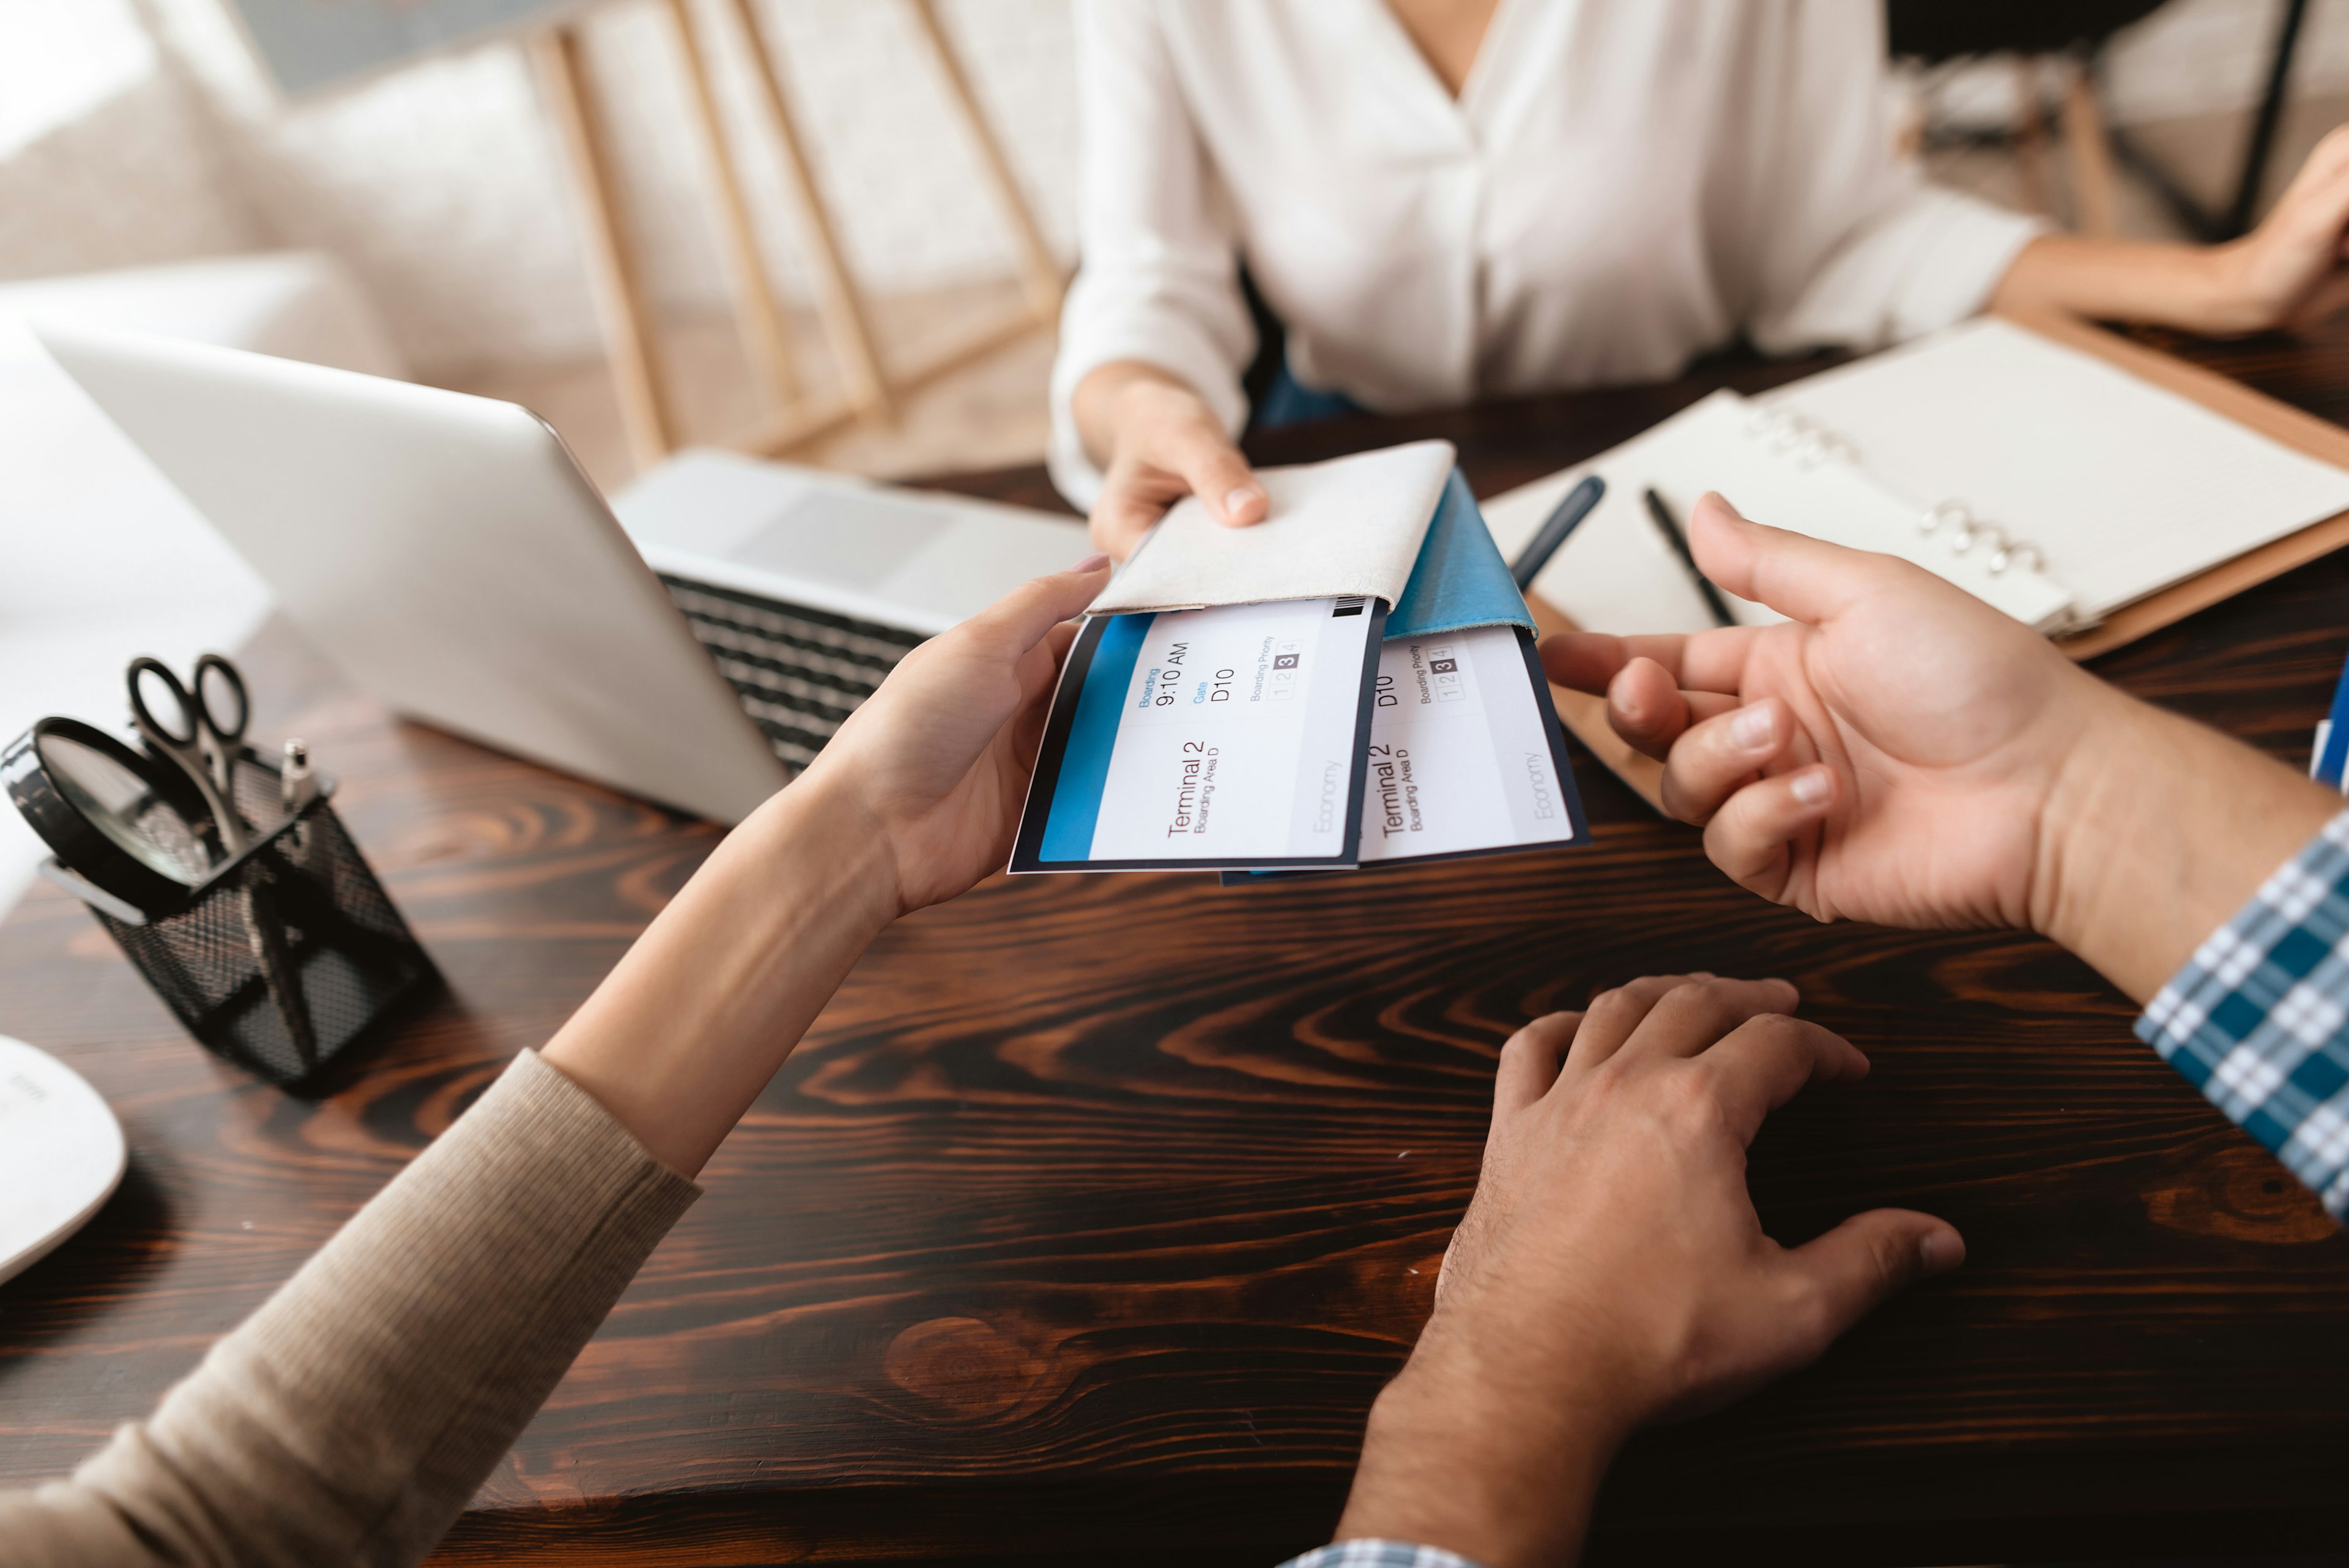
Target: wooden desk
(1094, 1212)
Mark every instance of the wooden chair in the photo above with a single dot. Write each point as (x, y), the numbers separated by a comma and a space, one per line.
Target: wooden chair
(1939, 31)
(873, 389)
(2031, 30)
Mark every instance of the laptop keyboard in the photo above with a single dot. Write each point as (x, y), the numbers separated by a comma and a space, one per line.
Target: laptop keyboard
(799, 671)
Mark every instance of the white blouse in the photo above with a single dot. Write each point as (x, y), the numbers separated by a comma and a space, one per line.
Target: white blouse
(1620, 184)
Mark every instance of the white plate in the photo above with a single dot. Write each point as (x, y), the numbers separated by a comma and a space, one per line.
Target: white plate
(61, 1153)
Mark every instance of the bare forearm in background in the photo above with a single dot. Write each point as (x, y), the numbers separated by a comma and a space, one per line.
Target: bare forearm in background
(2285, 272)
(2185, 286)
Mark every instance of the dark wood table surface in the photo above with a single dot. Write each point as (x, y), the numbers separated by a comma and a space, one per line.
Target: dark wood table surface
(1094, 1212)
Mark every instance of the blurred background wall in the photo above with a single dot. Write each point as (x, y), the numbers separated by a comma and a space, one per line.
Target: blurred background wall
(440, 186)
(139, 131)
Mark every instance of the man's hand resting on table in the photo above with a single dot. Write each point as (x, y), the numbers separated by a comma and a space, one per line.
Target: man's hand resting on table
(1611, 1270)
(1898, 751)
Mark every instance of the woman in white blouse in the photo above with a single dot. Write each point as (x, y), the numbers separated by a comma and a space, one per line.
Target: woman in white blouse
(1444, 200)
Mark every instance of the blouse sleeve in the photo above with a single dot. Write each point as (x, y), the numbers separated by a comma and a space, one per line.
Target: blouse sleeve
(1157, 281)
(1836, 239)
(2258, 1018)
(352, 1416)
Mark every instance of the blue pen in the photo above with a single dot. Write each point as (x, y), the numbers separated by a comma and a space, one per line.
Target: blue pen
(2330, 761)
(1555, 528)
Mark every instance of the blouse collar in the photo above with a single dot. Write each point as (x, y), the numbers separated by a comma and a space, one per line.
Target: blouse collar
(1514, 64)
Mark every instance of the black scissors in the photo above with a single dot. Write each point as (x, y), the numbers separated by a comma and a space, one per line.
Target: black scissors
(199, 725)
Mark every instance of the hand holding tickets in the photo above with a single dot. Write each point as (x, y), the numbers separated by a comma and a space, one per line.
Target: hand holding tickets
(936, 763)
(1270, 730)
(1207, 739)
(1898, 751)
(1882, 755)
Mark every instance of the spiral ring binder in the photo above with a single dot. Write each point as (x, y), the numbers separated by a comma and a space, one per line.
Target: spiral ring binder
(1966, 528)
(1789, 433)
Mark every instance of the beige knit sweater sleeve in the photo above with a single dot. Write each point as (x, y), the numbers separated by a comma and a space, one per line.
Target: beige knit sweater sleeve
(350, 1419)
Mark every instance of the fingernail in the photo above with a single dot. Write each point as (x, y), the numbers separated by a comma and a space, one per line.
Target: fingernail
(1752, 729)
(1094, 563)
(1941, 1251)
(1240, 496)
(1812, 786)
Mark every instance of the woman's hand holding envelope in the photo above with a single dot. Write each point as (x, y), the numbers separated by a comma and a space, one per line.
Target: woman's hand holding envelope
(1157, 441)
(1898, 751)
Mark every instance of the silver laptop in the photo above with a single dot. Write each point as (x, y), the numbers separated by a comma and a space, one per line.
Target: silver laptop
(448, 554)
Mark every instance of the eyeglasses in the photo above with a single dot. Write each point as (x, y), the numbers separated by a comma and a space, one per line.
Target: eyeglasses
(147, 828)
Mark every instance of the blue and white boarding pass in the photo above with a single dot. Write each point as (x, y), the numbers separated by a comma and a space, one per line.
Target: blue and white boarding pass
(1467, 756)
(1234, 737)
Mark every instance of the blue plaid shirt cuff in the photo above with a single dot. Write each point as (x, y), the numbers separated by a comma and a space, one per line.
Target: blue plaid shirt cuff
(2258, 1018)
(1378, 1555)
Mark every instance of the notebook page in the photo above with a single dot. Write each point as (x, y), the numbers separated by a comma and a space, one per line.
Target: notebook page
(2124, 488)
(1618, 573)
(1614, 573)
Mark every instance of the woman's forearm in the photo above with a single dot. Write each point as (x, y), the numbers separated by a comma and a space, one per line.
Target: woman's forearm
(352, 1416)
(698, 1015)
(2187, 286)
(2287, 270)
(349, 1420)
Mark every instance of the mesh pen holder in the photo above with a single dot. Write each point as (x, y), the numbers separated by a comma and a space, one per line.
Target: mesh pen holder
(343, 958)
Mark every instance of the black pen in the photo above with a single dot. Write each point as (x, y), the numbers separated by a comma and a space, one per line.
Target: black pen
(1662, 516)
(1555, 528)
